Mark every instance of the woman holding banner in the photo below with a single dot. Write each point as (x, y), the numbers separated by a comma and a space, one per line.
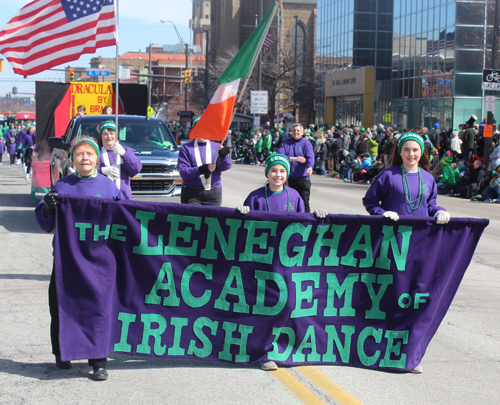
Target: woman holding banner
(275, 196)
(406, 188)
(86, 181)
(117, 162)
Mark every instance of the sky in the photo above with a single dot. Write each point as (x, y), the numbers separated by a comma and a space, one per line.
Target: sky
(138, 27)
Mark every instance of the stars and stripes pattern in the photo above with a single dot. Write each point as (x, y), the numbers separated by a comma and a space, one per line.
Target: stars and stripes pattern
(47, 33)
(268, 42)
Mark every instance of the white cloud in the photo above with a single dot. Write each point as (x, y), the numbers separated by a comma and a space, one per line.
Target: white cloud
(177, 11)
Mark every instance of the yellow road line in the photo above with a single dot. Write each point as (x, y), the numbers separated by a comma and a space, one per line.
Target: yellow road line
(328, 386)
(296, 387)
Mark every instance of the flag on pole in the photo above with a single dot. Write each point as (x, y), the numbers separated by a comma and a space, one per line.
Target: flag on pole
(215, 121)
(268, 42)
(47, 33)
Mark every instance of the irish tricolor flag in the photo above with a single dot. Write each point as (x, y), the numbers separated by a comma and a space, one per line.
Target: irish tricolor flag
(215, 121)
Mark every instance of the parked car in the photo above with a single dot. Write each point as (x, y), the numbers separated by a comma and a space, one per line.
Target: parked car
(150, 139)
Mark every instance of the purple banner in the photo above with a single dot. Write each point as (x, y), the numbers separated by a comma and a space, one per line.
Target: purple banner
(172, 280)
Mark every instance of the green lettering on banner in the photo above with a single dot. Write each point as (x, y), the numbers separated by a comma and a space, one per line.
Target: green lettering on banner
(238, 291)
(172, 300)
(185, 235)
(333, 339)
(293, 228)
(117, 232)
(244, 331)
(405, 296)
(155, 333)
(419, 299)
(389, 239)
(395, 349)
(178, 324)
(350, 260)
(333, 244)
(206, 349)
(309, 342)
(98, 232)
(82, 226)
(307, 294)
(214, 231)
(126, 319)
(365, 334)
(187, 297)
(384, 280)
(345, 289)
(259, 307)
(261, 241)
(143, 249)
(275, 354)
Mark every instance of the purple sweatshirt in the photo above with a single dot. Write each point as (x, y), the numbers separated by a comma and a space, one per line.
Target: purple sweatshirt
(292, 148)
(386, 193)
(28, 141)
(101, 187)
(278, 201)
(189, 171)
(131, 165)
(2, 147)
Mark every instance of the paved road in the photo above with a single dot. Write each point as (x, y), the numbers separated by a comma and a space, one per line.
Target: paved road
(461, 366)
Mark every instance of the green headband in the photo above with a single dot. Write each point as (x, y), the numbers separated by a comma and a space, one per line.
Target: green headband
(277, 159)
(410, 136)
(107, 125)
(87, 140)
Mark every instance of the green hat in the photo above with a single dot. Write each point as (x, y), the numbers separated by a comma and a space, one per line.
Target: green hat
(107, 125)
(275, 159)
(90, 141)
(410, 136)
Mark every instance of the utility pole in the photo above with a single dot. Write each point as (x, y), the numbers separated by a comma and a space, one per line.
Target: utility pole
(186, 91)
(260, 52)
(295, 69)
(494, 50)
(207, 32)
(150, 80)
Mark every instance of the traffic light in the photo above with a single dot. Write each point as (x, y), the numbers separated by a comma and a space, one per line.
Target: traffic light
(1, 65)
(10, 94)
(71, 74)
(34, 96)
(186, 75)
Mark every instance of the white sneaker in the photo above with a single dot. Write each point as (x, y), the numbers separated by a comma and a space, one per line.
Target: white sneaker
(268, 365)
(417, 370)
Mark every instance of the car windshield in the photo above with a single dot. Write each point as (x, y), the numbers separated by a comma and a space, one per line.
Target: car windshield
(139, 135)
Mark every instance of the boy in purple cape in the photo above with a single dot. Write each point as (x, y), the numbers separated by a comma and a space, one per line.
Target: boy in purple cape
(86, 181)
(275, 196)
(406, 188)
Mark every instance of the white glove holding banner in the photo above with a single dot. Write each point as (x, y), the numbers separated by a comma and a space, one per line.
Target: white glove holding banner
(243, 209)
(391, 215)
(111, 171)
(118, 149)
(442, 217)
(320, 213)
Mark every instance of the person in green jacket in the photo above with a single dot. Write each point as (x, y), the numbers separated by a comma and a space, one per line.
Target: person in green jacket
(267, 143)
(258, 150)
(451, 175)
(372, 146)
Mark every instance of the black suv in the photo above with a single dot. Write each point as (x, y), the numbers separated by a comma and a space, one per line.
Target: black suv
(149, 138)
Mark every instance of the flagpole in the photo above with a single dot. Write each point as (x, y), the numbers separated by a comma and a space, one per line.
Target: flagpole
(279, 66)
(254, 61)
(117, 72)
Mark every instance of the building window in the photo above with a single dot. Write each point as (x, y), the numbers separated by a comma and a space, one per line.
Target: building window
(207, 4)
(207, 16)
(298, 43)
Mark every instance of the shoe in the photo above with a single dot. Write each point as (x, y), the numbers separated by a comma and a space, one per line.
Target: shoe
(268, 365)
(100, 374)
(63, 365)
(345, 180)
(488, 200)
(497, 201)
(417, 370)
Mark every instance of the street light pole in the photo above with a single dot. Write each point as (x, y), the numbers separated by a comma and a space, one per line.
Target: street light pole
(207, 100)
(295, 69)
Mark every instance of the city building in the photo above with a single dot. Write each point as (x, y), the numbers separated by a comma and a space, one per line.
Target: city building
(200, 23)
(402, 62)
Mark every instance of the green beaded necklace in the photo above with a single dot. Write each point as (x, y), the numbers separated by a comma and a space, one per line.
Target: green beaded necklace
(417, 202)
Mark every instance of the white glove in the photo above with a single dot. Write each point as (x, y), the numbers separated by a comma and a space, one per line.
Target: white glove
(111, 171)
(442, 217)
(243, 209)
(320, 213)
(118, 149)
(392, 215)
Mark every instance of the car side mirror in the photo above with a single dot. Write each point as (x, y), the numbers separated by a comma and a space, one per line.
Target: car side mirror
(57, 143)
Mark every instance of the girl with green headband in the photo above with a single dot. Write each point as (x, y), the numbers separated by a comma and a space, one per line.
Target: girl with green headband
(276, 196)
(86, 181)
(407, 187)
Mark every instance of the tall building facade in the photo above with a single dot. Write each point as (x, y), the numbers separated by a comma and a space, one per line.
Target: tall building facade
(427, 58)
(200, 23)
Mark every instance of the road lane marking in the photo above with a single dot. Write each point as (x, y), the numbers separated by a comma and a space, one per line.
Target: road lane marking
(327, 385)
(296, 387)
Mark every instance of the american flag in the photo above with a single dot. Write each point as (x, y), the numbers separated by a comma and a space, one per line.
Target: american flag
(47, 33)
(434, 47)
(268, 41)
